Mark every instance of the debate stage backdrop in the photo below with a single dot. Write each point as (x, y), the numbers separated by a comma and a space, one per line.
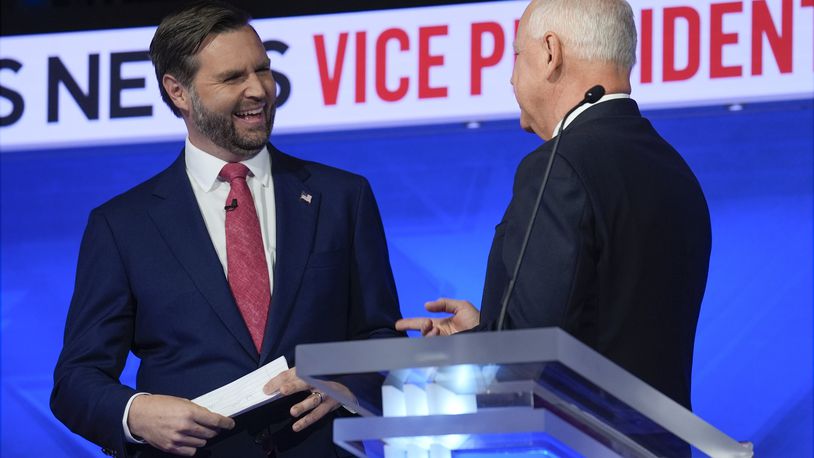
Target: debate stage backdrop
(441, 188)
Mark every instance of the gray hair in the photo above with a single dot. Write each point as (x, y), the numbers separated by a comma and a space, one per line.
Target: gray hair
(594, 30)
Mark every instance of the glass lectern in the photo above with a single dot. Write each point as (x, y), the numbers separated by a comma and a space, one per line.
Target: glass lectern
(535, 392)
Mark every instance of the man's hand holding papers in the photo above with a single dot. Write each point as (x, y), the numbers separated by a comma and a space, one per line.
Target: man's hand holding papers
(174, 425)
(316, 406)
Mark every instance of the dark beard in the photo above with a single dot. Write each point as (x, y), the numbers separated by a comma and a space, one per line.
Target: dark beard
(221, 130)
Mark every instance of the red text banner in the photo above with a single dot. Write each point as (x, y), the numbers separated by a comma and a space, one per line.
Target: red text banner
(399, 67)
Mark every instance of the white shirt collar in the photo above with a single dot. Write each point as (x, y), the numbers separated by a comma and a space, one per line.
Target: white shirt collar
(586, 106)
(204, 168)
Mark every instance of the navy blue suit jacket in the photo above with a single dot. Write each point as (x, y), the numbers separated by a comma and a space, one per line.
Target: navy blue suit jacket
(149, 281)
(620, 249)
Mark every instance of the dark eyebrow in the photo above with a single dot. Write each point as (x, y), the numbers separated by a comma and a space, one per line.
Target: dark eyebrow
(229, 74)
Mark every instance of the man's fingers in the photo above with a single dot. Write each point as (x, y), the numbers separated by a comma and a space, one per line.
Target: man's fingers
(274, 384)
(202, 431)
(414, 324)
(189, 441)
(174, 425)
(274, 387)
(211, 420)
(445, 304)
(286, 383)
(278, 381)
(180, 443)
(294, 386)
(311, 402)
(183, 451)
(437, 305)
(194, 432)
(314, 416)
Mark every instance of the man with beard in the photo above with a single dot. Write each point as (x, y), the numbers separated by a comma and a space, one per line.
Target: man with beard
(219, 264)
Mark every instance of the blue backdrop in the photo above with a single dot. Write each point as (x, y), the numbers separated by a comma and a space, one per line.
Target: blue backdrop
(441, 190)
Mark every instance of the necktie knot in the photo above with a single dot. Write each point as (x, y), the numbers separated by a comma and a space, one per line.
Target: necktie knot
(233, 170)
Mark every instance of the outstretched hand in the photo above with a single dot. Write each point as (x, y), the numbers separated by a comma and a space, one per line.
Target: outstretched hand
(464, 316)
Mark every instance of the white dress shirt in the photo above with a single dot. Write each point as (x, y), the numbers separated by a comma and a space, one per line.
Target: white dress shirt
(587, 106)
(211, 193)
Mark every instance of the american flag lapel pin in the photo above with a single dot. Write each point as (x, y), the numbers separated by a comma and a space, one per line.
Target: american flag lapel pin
(305, 197)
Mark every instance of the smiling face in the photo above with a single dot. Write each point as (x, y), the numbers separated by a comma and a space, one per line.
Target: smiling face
(230, 104)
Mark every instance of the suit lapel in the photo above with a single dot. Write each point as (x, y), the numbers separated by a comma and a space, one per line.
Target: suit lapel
(180, 222)
(296, 220)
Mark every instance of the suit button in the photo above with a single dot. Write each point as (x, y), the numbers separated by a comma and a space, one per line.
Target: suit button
(262, 437)
(109, 452)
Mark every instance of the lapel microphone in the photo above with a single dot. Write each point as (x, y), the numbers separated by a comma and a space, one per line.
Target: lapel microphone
(231, 206)
(592, 96)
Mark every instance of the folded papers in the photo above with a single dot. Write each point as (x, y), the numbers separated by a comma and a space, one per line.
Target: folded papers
(245, 393)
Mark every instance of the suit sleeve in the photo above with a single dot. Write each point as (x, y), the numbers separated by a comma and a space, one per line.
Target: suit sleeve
(87, 396)
(561, 245)
(374, 302)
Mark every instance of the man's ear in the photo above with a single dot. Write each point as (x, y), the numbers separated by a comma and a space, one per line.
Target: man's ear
(177, 92)
(552, 54)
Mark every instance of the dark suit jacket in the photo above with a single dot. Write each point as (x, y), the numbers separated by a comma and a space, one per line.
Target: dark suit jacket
(620, 250)
(149, 281)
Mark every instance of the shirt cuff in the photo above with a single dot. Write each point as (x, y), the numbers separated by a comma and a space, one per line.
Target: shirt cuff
(130, 438)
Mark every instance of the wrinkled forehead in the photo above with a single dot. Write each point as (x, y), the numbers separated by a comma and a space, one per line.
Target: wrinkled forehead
(219, 37)
(237, 48)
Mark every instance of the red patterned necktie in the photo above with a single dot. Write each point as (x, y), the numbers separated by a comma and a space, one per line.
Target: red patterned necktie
(245, 256)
